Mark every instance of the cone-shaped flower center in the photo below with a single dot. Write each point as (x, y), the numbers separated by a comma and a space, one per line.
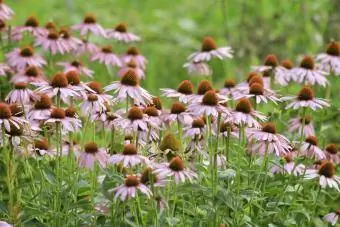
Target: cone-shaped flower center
(337, 212)
(229, 83)
(177, 108)
(15, 130)
(169, 142)
(26, 52)
(203, 87)
(251, 75)
(130, 78)
(210, 98)
(288, 158)
(287, 64)
(73, 77)
(225, 126)
(151, 111)
(307, 119)
(59, 80)
(305, 94)
(198, 123)
(97, 87)
(131, 181)
(334, 49)
(185, 87)
(132, 64)
(269, 127)
(32, 71)
(256, 79)
(44, 102)
(244, 106)
(20, 86)
(91, 148)
(156, 102)
(271, 60)
(132, 51)
(331, 148)
(16, 110)
(76, 63)
(64, 33)
(50, 25)
(92, 98)
(110, 116)
(307, 63)
(41, 144)
(256, 89)
(135, 113)
(121, 27)
(89, 19)
(130, 149)
(148, 176)
(32, 22)
(312, 140)
(71, 112)
(5, 111)
(327, 169)
(208, 44)
(53, 35)
(107, 49)
(58, 113)
(176, 164)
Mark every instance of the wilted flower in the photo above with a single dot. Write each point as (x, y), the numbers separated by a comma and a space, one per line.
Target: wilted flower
(90, 25)
(132, 54)
(332, 217)
(209, 50)
(198, 68)
(326, 175)
(332, 153)
(7, 119)
(120, 33)
(20, 58)
(91, 155)
(85, 47)
(299, 125)
(148, 177)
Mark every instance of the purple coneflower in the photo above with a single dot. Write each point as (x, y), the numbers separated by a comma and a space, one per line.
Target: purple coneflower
(259, 93)
(129, 189)
(135, 120)
(308, 74)
(51, 42)
(73, 118)
(332, 153)
(78, 86)
(245, 115)
(4, 69)
(41, 147)
(58, 116)
(120, 33)
(198, 68)
(132, 54)
(31, 26)
(202, 88)
(326, 175)
(6, 12)
(29, 75)
(85, 47)
(42, 108)
(107, 57)
(91, 155)
(149, 177)
(178, 113)
(300, 124)
(227, 129)
(332, 217)
(154, 117)
(132, 66)
(77, 66)
(267, 140)
(289, 167)
(7, 119)
(69, 42)
(305, 98)
(92, 105)
(128, 87)
(229, 89)
(21, 58)
(330, 61)
(89, 25)
(20, 94)
(210, 50)
(96, 88)
(283, 73)
(183, 92)
(310, 149)
(129, 157)
(196, 129)
(175, 168)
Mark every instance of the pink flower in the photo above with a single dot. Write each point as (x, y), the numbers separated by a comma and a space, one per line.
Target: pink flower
(289, 167)
(295, 125)
(69, 42)
(203, 87)
(134, 121)
(128, 87)
(6, 13)
(92, 155)
(129, 157)
(29, 75)
(51, 42)
(330, 61)
(86, 47)
(120, 33)
(58, 116)
(92, 105)
(178, 113)
(7, 119)
(107, 57)
(210, 50)
(4, 69)
(332, 217)
(229, 90)
(310, 149)
(258, 92)
(175, 168)
(198, 68)
(20, 94)
(41, 109)
(31, 26)
(132, 66)
(89, 25)
(332, 153)
(76, 66)
(21, 58)
(129, 189)
(304, 99)
(78, 86)
(149, 177)
(132, 54)
(183, 92)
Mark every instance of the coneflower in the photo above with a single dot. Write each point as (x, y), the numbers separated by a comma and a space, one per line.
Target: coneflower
(88, 26)
(310, 149)
(301, 124)
(178, 113)
(20, 58)
(133, 54)
(198, 69)
(29, 75)
(107, 56)
(129, 157)
(183, 92)
(120, 33)
(330, 61)
(332, 153)
(20, 94)
(41, 109)
(326, 175)
(92, 154)
(6, 12)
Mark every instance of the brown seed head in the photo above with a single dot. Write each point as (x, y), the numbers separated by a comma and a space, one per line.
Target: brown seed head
(71, 112)
(131, 181)
(129, 149)
(287, 64)
(148, 177)
(244, 106)
(15, 130)
(307, 63)
(227, 125)
(229, 83)
(32, 71)
(91, 148)
(185, 87)
(177, 108)
(92, 98)
(210, 98)
(32, 22)
(269, 127)
(305, 94)
(53, 35)
(170, 142)
(50, 25)
(203, 87)
(26, 51)
(271, 60)
(208, 44)
(44, 102)
(132, 64)
(97, 87)
(156, 102)
(64, 33)
(256, 79)
(20, 85)
(312, 140)
(130, 78)
(16, 110)
(58, 113)
(198, 123)
(59, 80)
(132, 51)
(151, 111)
(251, 75)
(5, 111)
(135, 113)
(41, 144)
(333, 49)
(2, 24)
(327, 169)
(176, 164)
(76, 63)
(107, 49)
(331, 148)
(288, 158)
(121, 27)
(256, 89)
(90, 19)
(73, 77)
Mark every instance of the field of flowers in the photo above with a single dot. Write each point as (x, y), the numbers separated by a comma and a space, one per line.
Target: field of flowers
(103, 126)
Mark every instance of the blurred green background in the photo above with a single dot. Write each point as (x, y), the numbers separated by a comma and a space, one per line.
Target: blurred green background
(171, 30)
